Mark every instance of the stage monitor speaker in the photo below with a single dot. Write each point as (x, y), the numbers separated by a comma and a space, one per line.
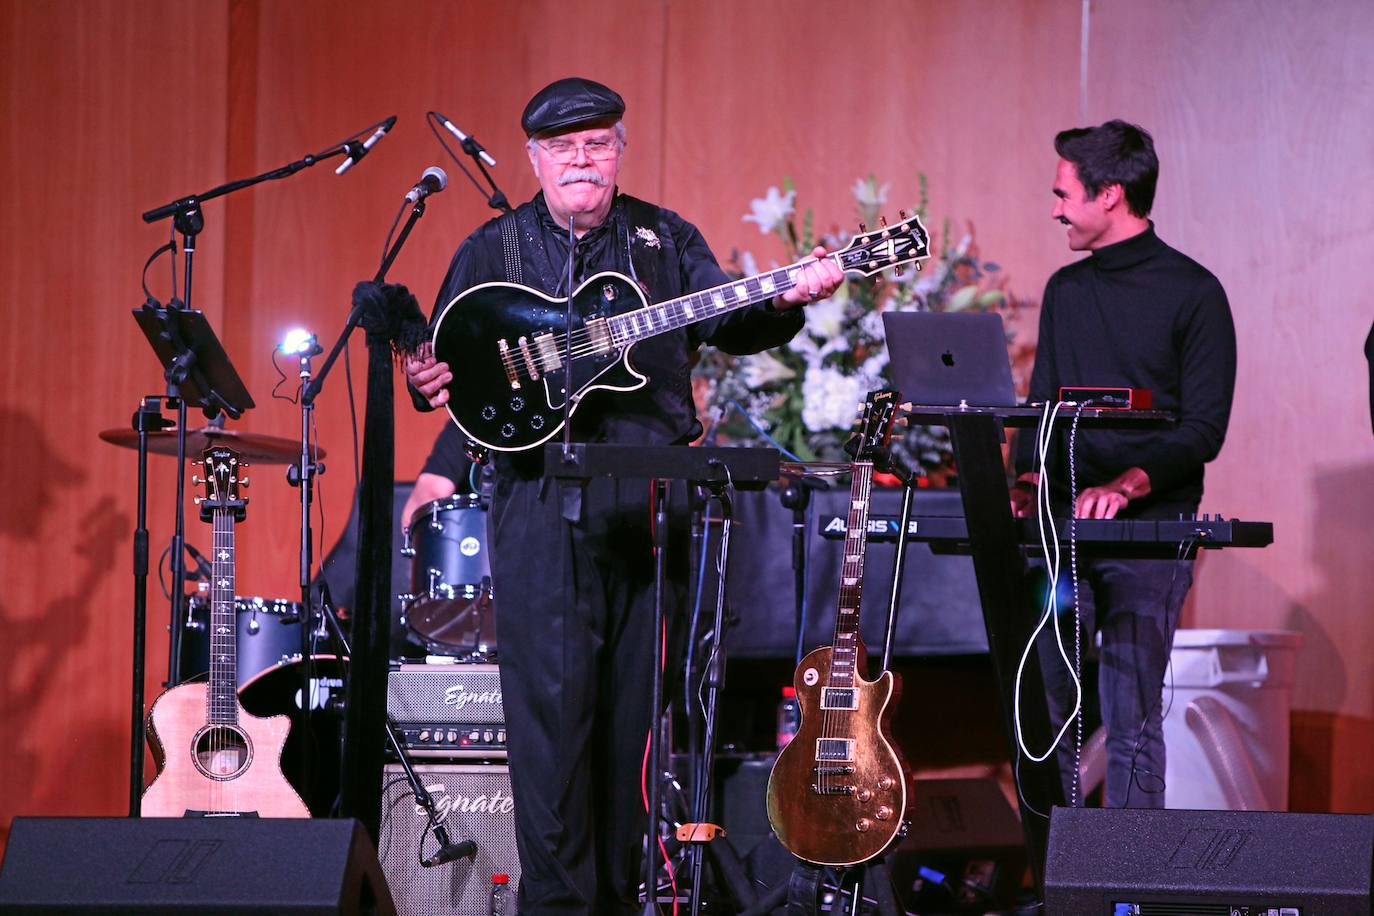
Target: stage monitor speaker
(1166, 862)
(201, 865)
(474, 802)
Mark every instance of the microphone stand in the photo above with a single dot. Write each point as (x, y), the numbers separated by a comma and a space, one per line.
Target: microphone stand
(189, 220)
(303, 475)
(448, 850)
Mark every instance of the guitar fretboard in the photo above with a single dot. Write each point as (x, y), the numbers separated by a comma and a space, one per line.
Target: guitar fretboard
(845, 650)
(222, 695)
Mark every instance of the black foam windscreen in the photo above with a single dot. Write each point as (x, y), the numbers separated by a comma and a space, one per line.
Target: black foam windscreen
(1167, 862)
(206, 866)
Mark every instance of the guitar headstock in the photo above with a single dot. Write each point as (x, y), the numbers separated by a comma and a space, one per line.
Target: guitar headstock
(222, 483)
(873, 431)
(888, 246)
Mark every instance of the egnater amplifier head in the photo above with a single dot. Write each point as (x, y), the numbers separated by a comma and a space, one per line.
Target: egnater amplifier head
(460, 694)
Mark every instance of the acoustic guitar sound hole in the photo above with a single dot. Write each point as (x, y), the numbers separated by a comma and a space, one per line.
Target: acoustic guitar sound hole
(221, 751)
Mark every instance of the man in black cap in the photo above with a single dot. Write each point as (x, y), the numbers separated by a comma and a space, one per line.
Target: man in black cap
(572, 566)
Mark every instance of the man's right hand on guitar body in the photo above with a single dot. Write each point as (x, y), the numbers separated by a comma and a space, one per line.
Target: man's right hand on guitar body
(429, 378)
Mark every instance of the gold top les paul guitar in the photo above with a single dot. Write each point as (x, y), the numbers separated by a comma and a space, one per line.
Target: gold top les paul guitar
(838, 791)
(214, 759)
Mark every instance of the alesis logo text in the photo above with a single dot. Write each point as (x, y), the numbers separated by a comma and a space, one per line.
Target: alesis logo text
(459, 697)
(497, 802)
(838, 524)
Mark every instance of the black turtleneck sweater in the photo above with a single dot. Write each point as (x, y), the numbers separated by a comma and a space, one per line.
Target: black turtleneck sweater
(1138, 314)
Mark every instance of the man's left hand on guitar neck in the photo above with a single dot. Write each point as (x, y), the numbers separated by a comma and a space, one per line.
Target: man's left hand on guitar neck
(813, 281)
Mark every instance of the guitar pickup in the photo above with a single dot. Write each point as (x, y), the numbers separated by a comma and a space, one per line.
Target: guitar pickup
(549, 357)
(600, 334)
(831, 790)
(835, 750)
(839, 698)
(833, 771)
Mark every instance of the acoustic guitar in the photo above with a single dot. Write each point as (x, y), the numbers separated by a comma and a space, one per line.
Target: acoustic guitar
(507, 344)
(213, 758)
(838, 791)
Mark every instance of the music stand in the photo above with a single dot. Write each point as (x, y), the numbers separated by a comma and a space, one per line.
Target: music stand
(196, 370)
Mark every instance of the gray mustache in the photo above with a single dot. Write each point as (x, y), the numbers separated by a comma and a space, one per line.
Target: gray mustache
(588, 175)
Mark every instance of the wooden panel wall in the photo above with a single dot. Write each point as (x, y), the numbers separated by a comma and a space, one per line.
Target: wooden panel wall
(1261, 111)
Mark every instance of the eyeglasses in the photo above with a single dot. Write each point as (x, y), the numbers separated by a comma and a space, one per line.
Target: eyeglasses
(563, 151)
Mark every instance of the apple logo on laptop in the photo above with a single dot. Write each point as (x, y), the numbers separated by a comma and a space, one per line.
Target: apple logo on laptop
(947, 358)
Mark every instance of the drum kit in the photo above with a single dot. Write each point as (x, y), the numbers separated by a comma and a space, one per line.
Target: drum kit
(447, 608)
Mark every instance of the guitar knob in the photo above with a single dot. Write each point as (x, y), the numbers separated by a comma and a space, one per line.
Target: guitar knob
(865, 795)
(864, 825)
(883, 813)
(885, 782)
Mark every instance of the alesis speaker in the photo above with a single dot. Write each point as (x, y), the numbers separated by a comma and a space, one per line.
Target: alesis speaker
(474, 803)
(1136, 862)
(190, 865)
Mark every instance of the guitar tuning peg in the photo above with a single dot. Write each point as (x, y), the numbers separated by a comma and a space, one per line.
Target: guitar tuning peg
(243, 481)
(901, 421)
(197, 500)
(906, 405)
(901, 214)
(863, 227)
(883, 221)
(196, 479)
(243, 464)
(897, 271)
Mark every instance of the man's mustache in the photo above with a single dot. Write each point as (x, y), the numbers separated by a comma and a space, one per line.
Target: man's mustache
(589, 175)
(1062, 219)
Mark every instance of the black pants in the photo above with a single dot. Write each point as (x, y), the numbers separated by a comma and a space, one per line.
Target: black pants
(574, 618)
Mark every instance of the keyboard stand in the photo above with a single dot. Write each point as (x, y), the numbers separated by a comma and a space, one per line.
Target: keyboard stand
(1000, 568)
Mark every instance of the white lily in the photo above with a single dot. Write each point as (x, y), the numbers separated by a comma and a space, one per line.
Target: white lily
(771, 210)
(764, 368)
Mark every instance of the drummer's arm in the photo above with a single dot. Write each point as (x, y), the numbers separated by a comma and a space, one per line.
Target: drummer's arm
(428, 487)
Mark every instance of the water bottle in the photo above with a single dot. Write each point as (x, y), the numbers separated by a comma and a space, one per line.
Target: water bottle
(499, 883)
(789, 716)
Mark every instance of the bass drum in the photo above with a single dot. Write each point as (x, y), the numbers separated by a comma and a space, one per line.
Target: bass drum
(278, 691)
(449, 606)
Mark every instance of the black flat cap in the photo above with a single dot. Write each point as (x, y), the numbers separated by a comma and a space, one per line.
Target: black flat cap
(566, 103)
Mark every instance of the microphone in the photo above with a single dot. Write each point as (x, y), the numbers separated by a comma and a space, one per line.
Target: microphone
(470, 145)
(356, 153)
(467, 849)
(431, 182)
(203, 570)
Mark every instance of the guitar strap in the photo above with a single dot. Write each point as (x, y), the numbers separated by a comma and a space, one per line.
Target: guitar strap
(510, 242)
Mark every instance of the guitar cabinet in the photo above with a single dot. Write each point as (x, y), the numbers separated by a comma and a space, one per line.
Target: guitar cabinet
(475, 804)
(191, 865)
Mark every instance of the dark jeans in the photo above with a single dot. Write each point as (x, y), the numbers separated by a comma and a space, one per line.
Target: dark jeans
(1135, 605)
(574, 620)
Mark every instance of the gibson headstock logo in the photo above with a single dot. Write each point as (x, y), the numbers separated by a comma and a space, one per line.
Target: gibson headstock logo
(458, 697)
(497, 802)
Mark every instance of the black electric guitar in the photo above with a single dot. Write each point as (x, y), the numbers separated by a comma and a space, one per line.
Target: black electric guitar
(214, 759)
(506, 344)
(838, 791)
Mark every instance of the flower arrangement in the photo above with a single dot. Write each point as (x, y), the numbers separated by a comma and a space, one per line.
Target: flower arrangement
(803, 396)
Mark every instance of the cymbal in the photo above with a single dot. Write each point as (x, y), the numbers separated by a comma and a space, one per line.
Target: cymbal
(253, 447)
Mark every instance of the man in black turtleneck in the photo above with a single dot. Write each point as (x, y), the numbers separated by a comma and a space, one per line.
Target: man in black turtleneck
(1134, 313)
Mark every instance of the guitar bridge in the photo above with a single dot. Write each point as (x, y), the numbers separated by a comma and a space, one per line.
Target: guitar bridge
(833, 771)
(528, 357)
(508, 363)
(831, 790)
